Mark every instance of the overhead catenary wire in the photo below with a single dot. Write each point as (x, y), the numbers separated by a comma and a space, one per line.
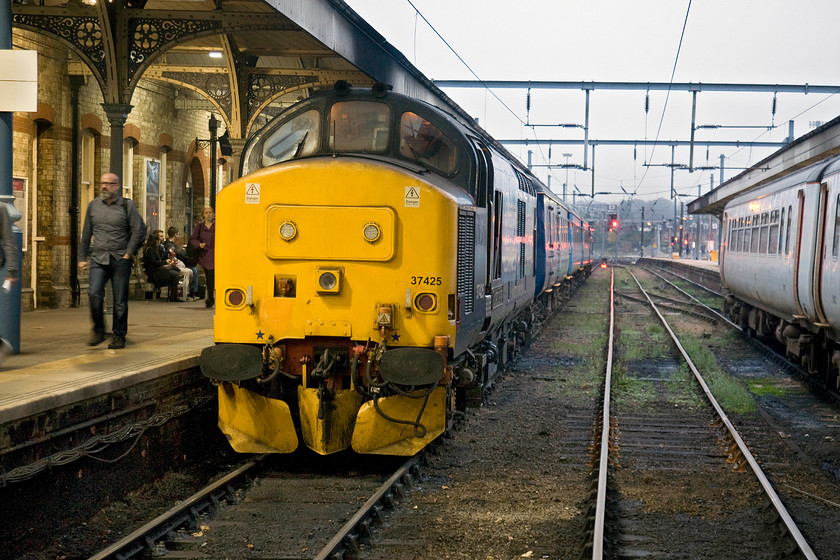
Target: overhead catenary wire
(667, 95)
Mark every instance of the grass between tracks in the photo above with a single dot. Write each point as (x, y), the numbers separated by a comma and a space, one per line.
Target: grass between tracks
(642, 340)
(583, 337)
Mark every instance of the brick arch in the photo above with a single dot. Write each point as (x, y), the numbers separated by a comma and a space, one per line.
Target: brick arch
(198, 154)
(89, 121)
(44, 114)
(131, 131)
(166, 141)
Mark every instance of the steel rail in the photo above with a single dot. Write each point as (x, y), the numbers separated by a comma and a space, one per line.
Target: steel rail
(793, 367)
(790, 525)
(603, 464)
(690, 281)
(337, 542)
(686, 294)
(145, 536)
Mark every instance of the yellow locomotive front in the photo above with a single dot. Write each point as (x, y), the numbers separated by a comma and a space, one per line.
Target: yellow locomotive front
(336, 304)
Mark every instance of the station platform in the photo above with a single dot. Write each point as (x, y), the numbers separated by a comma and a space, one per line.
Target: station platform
(696, 263)
(56, 368)
(706, 272)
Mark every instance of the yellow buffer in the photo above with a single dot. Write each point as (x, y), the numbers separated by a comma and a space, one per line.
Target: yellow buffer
(253, 423)
(333, 432)
(374, 434)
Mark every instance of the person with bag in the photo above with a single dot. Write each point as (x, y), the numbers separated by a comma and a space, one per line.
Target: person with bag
(112, 234)
(203, 238)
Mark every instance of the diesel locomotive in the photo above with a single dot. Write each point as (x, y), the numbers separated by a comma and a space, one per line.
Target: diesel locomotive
(780, 265)
(376, 265)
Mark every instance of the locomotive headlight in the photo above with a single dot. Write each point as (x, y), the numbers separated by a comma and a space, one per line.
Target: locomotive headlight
(329, 280)
(288, 230)
(372, 232)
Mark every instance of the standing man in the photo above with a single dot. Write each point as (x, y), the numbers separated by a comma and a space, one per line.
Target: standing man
(8, 258)
(117, 231)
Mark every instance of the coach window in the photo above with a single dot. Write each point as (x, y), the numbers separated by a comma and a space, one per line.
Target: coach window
(425, 143)
(787, 230)
(781, 230)
(834, 249)
(773, 242)
(295, 138)
(747, 240)
(764, 231)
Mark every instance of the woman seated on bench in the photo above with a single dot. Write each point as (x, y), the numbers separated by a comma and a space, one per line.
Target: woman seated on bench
(158, 271)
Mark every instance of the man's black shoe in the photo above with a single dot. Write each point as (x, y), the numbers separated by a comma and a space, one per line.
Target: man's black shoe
(117, 343)
(97, 338)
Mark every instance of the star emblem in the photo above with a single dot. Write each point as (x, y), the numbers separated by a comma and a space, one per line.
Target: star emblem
(395, 337)
(260, 333)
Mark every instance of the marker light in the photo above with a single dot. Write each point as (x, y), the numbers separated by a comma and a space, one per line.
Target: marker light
(235, 297)
(425, 302)
(288, 230)
(372, 232)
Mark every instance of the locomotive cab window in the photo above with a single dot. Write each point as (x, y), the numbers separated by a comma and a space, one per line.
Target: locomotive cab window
(359, 126)
(296, 138)
(423, 142)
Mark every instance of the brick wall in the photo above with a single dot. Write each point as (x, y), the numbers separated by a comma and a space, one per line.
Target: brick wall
(43, 156)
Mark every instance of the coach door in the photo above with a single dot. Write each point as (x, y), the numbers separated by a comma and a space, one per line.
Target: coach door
(808, 252)
(830, 279)
(819, 255)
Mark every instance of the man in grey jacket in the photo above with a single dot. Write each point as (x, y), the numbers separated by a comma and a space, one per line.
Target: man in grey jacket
(116, 229)
(8, 259)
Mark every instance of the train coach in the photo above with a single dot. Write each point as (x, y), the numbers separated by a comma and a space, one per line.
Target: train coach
(376, 265)
(780, 265)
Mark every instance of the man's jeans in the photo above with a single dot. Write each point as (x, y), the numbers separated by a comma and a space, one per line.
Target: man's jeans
(118, 271)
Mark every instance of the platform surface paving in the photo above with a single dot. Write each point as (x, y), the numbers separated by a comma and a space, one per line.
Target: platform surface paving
(56, 366)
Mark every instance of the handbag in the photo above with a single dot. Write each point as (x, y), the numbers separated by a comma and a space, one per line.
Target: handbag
(192, 255)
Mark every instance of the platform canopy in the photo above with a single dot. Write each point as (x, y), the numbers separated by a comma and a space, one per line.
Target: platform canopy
(820, 143)
(247, 59)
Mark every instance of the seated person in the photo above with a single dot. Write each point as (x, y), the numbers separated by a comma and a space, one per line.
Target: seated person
(173, 246)
(158, 271)
(183, 272)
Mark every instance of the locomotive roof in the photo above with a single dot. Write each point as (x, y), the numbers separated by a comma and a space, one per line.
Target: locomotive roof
(450, 123)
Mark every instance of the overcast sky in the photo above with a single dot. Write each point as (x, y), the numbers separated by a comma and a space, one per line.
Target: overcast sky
(731, 41)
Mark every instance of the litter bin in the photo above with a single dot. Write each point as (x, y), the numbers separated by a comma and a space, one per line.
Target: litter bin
(714, 256)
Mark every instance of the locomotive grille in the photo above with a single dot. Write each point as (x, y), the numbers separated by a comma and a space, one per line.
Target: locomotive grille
(466, 260)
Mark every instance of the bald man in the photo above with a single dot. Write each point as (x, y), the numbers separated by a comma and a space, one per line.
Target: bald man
(116, 230)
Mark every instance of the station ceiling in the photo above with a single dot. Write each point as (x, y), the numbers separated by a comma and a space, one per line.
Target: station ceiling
(266, 54)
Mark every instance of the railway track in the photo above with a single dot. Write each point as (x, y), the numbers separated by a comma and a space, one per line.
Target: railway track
(676, 485)
(261, 511)
(513, 481)
(769, 348)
